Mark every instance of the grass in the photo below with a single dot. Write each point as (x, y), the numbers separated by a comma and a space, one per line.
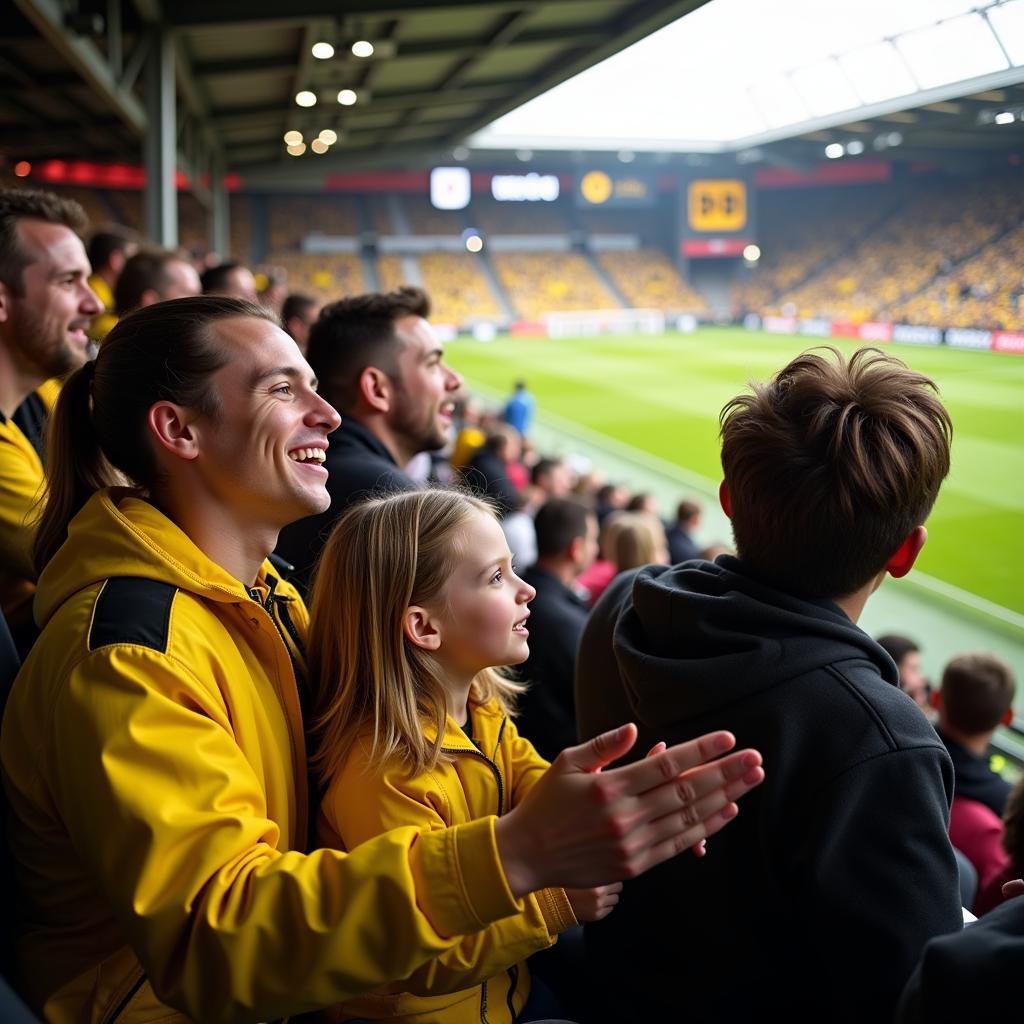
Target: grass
(663, 395)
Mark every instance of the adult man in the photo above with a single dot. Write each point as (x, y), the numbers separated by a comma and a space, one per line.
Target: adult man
(681, 545)
(381, 366)
(566, 545)
(154, 276)
(230, 278)
(298, 314)
(907, 655)
(46, 306)
(830, 889)
(153, 749)
(108, 252)
(519, 408)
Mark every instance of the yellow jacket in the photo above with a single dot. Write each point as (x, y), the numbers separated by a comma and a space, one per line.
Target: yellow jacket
(153, 754)
(21, 482)
(104, 322)
(482, 979)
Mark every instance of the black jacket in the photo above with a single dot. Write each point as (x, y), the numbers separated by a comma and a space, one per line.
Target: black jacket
(974, 779)
(547, 711)
(815, 903)
(358, 465)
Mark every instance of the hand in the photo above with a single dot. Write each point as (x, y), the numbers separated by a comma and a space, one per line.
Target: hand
(698, 849)
(580, 826)
(1013, 888)
(596, 903)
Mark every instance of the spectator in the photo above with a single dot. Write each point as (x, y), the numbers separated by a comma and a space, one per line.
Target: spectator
(108, 251)
(153, 746)
(566, 545)
(1011, 837)
(488, 469)
(519, 409)
(154, 276)
(638, 539)
(231, 279)
(46, 307)
(381, 366)
(609, 498)
(551, 478)
(828, 893)
(298, 314)
(602, 570)
(642, 501)
(907, 656)
(681, 545)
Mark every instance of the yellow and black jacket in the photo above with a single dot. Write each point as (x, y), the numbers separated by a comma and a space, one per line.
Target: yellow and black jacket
(482, 980)
(154, 758)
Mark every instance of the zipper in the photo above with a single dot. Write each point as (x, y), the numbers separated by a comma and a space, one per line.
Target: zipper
(513, 982)
(496, 771)
(125, 1000)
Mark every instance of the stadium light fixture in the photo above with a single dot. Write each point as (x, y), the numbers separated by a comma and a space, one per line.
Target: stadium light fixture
(1005, 117)
(751, 253)
(305, 98)
(347, 97)
(524, 155)
(460, 153)
(323, 50)
(894, 138)
(834, 150)
(855, 147)
(626, 156)
(474, 243)
(362, 48)
(297, 150)
(292, 138)
(328, 136)
(319, 147)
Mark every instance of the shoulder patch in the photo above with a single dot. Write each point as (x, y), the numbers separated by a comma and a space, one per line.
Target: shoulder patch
(132, 610)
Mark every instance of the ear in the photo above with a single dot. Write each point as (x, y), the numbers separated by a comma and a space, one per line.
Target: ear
(935, 699)
(723, 498)
(149, 297)
(420, 629)
(1007, 718)
(575, 549)
(173, 427)
(376, 389)
(906, 554)
(5, 303)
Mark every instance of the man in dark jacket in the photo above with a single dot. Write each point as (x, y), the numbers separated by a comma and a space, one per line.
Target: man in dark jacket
(829, 890)
(380, 365)
(566, 545)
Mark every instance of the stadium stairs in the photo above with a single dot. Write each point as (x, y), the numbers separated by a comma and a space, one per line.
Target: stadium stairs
(605, 278)
(370, 274)
(499, 293)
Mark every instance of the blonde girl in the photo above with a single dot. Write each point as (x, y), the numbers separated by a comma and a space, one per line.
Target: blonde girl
(415, 603)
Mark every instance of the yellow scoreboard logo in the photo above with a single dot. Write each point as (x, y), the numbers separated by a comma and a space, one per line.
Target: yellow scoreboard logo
(718, 205)
(596, 187)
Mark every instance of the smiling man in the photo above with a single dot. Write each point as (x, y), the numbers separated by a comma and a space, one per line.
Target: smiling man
(382, 367)
(46, 306)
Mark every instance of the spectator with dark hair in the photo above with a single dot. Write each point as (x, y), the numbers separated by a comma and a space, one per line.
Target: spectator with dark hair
(642, 501)
(609, 498)
(108, 251)
(566, 545)
(46, 307)
(681, 545)
(828, 892)
(907, 656)
(380, 364)
(519, 408)
(154, 275)
(298, 314)
(230, 278)
(487, 472)
(551, 478)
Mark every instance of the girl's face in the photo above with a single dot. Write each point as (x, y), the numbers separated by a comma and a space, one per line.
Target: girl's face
(481, 616)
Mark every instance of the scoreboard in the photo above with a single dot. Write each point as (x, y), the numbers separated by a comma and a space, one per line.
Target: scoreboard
(718, 217)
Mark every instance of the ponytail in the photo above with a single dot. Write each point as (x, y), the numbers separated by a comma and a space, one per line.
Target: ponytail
(75, 465)
(97, 436)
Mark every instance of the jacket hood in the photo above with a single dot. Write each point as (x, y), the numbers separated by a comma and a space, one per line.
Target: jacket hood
(694, 638)
(118, 534)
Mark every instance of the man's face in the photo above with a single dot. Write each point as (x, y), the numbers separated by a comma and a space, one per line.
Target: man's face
(262, 454)
(912, 678)
(44, 327)
(421, 411)
(240, 284)
(181, 281)
(589, 550)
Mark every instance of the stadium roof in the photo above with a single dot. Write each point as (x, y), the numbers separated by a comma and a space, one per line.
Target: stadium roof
(738, 74)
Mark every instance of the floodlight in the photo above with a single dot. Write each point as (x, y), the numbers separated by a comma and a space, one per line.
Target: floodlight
(347, 97)
(460, 153)
(855, 147)
(1005, 117)
(292, 138)
(22, 169)
(834, 150)
(362, 48)
(306, 98)
(751, 253)
(297, 150)
(474, 243)
(319, 147)
(328, 137)
(323, 51)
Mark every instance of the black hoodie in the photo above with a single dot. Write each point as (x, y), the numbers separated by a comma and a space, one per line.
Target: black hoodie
(816, 902)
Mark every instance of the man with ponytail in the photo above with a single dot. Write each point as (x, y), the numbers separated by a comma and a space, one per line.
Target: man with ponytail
(153, 746)
(46, 306)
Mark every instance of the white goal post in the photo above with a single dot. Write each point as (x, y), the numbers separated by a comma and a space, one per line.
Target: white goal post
(593, 322)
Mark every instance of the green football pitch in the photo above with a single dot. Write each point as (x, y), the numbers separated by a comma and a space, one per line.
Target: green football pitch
(662, 395)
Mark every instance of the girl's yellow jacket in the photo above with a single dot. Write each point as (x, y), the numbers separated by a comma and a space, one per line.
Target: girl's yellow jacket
(153, 755)
(482, 980)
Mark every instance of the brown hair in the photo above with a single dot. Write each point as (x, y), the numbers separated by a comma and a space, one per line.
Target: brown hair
(830, 466)
(358, 332)
(385, 555)
(977, 690)
(97, 435)
(635, 539)
(145, 271)
(26, 204)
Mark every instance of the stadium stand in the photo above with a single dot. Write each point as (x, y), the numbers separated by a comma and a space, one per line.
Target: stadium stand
(538, 218)
(538, 283)
(326, 276)
(389, 271)
(290, 219)
(423, 219)
(648, 280)
(459, 291)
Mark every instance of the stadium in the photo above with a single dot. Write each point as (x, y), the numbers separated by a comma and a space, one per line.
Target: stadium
(634, 208)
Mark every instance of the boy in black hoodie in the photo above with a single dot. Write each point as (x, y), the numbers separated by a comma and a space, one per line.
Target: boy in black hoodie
(839, 871)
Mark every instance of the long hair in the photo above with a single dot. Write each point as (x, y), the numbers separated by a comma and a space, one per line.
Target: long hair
(97, 435)
(383, 556)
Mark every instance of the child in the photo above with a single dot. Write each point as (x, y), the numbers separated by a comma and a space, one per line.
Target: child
(415, 601)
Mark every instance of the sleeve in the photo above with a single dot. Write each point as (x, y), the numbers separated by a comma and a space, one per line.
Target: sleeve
(169, 816)
(526, 766)
(20, 487)
(360, 805)
(883, 823)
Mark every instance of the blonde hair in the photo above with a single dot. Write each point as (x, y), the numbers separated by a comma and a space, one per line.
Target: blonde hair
(383, 556)
(635, 539)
